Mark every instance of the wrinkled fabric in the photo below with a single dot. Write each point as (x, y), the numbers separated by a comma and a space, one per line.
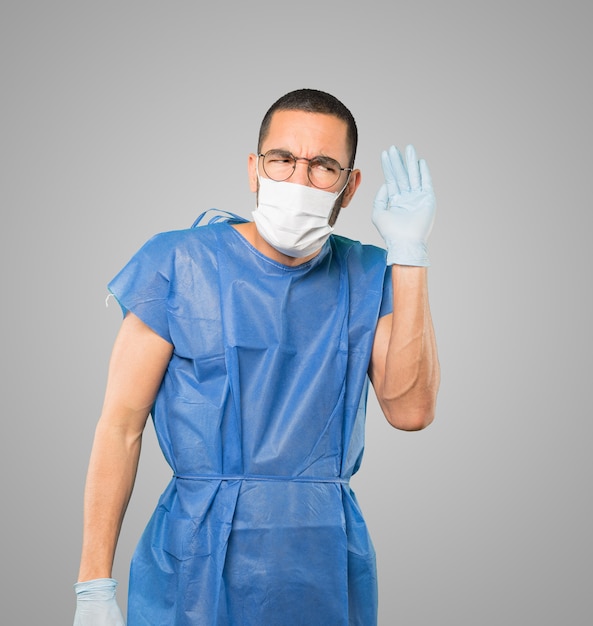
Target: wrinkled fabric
(96, 604)
(261, 418)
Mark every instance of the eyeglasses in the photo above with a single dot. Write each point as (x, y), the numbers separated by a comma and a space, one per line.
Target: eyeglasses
(323, 172)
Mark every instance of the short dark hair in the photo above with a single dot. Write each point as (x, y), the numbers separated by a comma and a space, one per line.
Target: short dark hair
(312, 101)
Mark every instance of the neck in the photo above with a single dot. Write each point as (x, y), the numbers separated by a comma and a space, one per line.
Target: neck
(251, 234)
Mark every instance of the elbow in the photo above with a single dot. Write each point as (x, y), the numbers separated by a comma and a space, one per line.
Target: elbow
(410, 420)
(413, 406)
(411, 414)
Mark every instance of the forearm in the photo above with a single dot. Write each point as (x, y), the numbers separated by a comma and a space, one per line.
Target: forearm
(410, 377)
(138, 362)
(110, 479)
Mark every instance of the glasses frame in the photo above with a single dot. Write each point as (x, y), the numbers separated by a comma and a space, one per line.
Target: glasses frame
(296, 159)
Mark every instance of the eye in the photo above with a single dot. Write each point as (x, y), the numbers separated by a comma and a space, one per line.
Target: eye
(325, 165)
(279, 157)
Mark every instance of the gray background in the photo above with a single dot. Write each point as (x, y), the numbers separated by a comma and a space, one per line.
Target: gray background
(114, 118)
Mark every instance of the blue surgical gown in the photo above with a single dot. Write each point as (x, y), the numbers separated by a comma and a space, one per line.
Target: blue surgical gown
(261, 416)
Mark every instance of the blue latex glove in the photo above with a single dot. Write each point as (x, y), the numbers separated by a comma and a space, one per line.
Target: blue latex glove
(96, 604)
(404, 207)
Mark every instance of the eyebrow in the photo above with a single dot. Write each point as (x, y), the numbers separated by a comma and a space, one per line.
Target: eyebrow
(321, 154)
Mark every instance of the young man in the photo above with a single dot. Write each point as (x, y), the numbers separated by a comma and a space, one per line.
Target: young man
(251, 344)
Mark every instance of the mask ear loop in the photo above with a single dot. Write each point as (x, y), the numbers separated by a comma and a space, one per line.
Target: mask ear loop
(339, 193)
(346, 183)
(334, 210)
(258, 179)
(257, 165)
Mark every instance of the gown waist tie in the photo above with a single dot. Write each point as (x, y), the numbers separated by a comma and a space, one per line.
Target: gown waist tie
(263, 477)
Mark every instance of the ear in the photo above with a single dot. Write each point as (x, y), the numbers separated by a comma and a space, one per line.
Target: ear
(252, 171)
(351, 187)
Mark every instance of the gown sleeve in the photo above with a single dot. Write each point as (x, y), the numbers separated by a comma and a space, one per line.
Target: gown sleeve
(387, 299)
(143, 285)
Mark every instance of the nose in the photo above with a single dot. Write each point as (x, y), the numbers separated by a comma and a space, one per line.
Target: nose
(300, 174)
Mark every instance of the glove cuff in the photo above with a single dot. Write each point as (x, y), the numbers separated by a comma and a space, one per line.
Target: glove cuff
(414, 254)
(98, 588)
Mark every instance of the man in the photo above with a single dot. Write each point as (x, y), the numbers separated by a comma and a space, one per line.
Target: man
(251, 343)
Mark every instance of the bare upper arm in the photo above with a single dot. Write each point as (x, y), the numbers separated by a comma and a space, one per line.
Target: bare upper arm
(138, 362)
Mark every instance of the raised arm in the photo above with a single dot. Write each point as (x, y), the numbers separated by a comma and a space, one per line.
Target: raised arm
(404, 365)
(138, 362)
(404, 368)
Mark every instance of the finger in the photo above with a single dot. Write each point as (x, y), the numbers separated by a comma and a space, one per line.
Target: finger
(392, 186)
(425, 176)
(413, 168)
(381, 199)
(399, 170)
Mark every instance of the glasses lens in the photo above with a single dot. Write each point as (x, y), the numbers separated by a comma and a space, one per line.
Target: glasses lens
(324, 172)
(279, 165)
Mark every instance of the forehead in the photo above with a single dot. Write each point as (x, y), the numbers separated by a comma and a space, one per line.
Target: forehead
(307, 134)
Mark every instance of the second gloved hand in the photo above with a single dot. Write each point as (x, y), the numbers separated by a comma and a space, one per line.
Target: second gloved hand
(96, 604)
(404, 207)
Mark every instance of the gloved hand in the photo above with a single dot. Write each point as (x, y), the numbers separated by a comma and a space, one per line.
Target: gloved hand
(404, 207)
(96, 604)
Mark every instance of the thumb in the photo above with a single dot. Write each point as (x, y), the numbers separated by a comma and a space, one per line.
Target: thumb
(381, 199)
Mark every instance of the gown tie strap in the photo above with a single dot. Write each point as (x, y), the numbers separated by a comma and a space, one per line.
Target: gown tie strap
(263, 477)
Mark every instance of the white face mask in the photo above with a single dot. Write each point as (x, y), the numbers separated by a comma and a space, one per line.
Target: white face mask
(293, 218)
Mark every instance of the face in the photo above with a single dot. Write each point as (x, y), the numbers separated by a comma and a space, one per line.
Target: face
(308, 135)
